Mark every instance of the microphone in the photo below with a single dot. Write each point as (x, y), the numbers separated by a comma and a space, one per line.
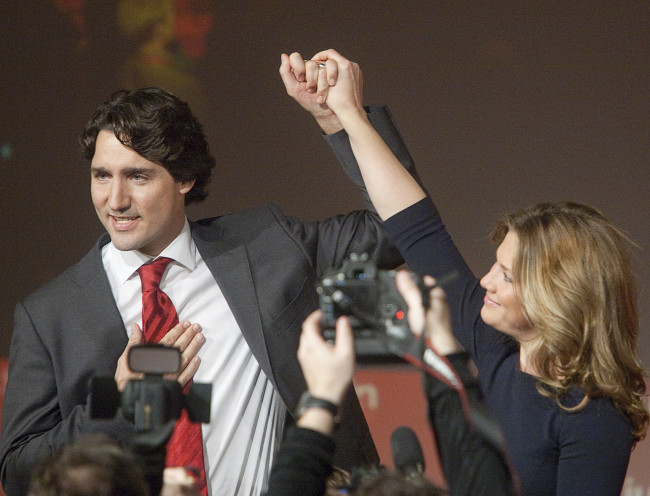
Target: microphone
(407, 452)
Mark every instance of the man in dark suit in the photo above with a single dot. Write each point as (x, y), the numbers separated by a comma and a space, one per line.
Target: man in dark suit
(241, 284)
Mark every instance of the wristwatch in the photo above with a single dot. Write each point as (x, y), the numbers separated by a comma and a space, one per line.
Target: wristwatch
(309, 401)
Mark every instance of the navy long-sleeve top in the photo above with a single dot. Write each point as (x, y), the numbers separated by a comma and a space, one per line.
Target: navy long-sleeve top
(554, 452)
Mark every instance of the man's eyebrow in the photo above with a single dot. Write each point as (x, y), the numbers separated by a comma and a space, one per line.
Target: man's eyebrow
(128, 171)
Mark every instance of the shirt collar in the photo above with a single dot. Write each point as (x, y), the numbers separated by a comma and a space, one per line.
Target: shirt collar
(182, 250)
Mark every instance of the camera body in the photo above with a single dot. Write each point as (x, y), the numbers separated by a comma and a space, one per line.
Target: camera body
(369, 297)
(151, 402)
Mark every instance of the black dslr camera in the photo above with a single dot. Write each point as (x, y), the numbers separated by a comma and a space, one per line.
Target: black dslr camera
(370, 299)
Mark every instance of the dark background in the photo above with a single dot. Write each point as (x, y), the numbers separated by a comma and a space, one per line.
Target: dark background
(503, 104)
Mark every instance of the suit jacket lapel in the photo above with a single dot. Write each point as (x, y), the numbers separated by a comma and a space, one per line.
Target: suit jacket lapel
(95, 303)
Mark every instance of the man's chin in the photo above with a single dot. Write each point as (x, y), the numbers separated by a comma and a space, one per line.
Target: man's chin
(124, 243)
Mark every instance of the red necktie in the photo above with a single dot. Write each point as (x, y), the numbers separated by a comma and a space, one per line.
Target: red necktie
(185, 447)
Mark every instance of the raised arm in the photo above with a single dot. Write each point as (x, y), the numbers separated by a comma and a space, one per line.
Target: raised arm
(390, 186)
(312, 83)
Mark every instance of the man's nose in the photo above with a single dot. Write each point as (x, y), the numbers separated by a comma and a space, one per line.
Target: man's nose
(118, 196)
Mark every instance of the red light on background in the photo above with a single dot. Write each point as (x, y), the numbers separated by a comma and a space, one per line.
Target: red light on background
(399, 314)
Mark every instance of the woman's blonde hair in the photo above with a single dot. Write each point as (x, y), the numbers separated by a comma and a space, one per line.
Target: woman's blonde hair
(572, 272)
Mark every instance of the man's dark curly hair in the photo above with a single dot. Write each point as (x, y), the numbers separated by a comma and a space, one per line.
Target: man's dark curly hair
(161, 128)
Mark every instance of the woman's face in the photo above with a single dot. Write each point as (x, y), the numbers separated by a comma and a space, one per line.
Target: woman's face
(501, 305)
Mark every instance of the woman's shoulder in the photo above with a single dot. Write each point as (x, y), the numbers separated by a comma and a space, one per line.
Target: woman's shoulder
(599, 421)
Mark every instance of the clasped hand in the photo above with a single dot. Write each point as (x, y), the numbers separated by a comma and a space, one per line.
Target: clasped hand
(185, 336)
(328, 86)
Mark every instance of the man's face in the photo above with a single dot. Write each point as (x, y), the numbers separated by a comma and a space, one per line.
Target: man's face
(140, 204)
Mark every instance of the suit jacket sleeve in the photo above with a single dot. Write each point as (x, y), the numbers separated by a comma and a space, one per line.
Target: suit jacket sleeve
(383, 122)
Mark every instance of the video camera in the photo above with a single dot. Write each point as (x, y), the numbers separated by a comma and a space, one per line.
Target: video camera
(376, 310)
(153, 401)
(153, 404)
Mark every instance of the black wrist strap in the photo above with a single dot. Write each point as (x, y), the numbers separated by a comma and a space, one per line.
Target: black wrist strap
(309, 401)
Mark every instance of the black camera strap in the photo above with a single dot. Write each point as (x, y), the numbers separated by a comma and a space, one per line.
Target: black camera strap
(423, 355)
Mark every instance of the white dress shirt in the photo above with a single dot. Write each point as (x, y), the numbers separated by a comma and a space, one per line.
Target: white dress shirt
(247, 414)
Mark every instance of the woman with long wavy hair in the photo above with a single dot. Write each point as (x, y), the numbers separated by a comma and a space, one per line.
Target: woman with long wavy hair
(573, 279)
(552, 327)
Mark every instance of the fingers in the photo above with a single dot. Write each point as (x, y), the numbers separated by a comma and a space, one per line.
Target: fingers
(316, 75)
(136, 337)
(294, 69)
(123, 373)
(335, 63)
(326, 76)
(330, 55)
(180, 335)
(307, 83)
(343, 93)
(312, 70)
(322, 87)
(293, 74)
(310, 336)
(413, 298)
(184, 336)
(344, 343)
(327, 369)
(296, 65)
(438, 300)
(188, 339)
(332, 71)
(438, 321)
(189, 343)
(286, 73)
(177, 482)
(342, 361)
(188, 371)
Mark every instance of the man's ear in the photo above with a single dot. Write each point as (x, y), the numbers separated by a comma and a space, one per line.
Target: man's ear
(186, 186)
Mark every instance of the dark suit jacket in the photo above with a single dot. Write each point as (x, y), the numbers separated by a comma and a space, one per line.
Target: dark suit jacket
(267, 265)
